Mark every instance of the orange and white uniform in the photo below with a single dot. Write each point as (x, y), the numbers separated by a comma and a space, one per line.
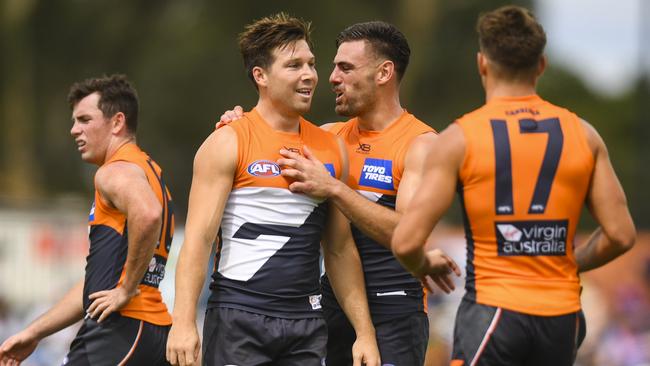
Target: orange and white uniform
(376, 168)
(109, 245)
(522, 184)
(267, 260)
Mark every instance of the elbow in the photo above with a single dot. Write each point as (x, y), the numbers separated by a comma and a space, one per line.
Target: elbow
(624, 239)
(621, 238)
(404, 246)
(151, 218)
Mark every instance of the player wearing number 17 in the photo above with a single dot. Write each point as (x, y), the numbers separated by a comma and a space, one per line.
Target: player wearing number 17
(523, 168)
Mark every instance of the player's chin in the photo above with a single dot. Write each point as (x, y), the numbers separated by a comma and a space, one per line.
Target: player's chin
(303, 107)
(87, 157)
(343, 110)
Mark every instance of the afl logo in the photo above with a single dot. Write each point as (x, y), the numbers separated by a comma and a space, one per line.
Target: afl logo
(264, 168)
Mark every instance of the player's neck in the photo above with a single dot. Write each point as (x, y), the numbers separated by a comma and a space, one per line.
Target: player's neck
(382, 115)
(280, 119)
(508, 89)
(116, 144)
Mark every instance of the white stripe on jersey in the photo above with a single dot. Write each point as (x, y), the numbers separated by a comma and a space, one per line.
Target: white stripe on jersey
(372, 196)
(242, 258)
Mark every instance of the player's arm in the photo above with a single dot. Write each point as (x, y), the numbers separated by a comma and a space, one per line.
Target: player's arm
(427, 205)
(374, 220)
(313, 179)
(124, 186)
(66, 312)
(608, 205)
(414, 171)
(346, 276)
(214, 168)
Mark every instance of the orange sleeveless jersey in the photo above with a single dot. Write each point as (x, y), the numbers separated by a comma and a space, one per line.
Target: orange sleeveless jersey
(376, 168)
(109, 241)
(268, 256)
(523, 183)
(258, 141)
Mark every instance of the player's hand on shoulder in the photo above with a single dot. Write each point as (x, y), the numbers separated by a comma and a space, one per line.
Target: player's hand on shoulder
(183, 344)
(365, 351)
(106, 302)
(17, 348)
(438, 267)
(230, 115)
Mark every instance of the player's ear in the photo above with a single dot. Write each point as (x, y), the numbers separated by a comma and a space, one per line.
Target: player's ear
(259, 75)
(385, 71)
(119, 122)
(481, 64)
(541, 65)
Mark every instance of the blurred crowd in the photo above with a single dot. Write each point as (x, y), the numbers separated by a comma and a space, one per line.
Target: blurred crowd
(616, 303)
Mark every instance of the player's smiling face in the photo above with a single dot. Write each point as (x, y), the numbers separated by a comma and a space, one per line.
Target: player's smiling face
(90, 129)
(353, 78)
(291, 79)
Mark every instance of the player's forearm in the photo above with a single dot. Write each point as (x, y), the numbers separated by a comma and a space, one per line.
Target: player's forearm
(144, 233)
(66, 312)
(345, 274)
(601, 249)
(374, 220)
(407, 245)
(190, 276)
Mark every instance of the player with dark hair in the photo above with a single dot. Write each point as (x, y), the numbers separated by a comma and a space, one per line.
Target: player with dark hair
(523, 169)
(386, 146)
(265, 307)
(131, 228)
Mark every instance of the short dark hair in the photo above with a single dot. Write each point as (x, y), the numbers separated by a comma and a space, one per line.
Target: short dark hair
(116, 94)
(386, 41)
(511, 37)
(260, 38)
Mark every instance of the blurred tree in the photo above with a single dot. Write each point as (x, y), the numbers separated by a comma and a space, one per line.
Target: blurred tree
(183, 58)
(20, 169)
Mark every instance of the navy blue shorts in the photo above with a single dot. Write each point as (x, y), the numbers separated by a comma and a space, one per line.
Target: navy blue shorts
(238, 337)
(118, 340)
(402, 338)
(486, 335)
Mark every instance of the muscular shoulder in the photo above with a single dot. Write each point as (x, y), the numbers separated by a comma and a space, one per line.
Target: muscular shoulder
(115, 178)
(418, 150)
(221, 141)
(421, 145)
(595, 141)
(115, 173)
(450, 145)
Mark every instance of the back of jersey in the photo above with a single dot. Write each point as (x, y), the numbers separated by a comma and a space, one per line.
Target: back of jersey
(523, 184)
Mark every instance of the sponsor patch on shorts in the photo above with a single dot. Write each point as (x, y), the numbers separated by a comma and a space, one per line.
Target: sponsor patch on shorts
(314, 301)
